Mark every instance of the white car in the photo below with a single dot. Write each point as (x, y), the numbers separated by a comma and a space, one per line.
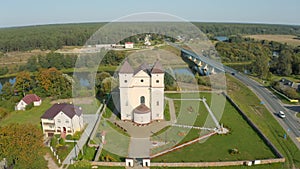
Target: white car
(281, 114)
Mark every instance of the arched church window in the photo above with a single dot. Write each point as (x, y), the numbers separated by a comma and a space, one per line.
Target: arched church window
(157, 103)
(142, 99)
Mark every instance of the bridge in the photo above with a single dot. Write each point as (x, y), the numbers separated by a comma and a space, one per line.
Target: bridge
(200, 64)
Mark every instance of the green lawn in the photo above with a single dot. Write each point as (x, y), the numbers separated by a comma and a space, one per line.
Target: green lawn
(167, 112)
(266, 166)
(250, 104)
(298, 114)
(32, 116)
(217, 147)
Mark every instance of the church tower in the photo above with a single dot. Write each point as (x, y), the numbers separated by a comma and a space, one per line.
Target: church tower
(157, 91)
(125, 80)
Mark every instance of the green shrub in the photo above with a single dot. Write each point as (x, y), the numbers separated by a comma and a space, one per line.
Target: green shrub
(53, 142)
(69, 137)
(29, 106)
(62, 141)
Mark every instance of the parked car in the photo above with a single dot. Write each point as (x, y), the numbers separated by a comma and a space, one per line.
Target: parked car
(281, 114)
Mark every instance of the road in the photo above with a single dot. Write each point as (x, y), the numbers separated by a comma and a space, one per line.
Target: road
(291, 123)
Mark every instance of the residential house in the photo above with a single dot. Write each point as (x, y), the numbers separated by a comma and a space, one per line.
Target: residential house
(128, 45)
(28, 99)
(62, 118)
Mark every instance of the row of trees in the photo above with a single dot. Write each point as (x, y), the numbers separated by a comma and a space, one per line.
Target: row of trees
(46, 82)
(53, 37)
(264, 57)
(52, 59)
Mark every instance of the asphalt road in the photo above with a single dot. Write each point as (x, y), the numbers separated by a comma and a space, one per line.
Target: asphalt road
(291, 123)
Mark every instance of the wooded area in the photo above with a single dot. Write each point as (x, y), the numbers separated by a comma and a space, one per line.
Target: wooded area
(52, 37)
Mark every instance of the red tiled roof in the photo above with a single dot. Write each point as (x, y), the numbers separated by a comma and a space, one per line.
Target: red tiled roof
(29, 98)
(69, 109)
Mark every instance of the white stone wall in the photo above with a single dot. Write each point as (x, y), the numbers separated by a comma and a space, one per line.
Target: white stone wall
(157, 103)
(141, 84)
(142, 118)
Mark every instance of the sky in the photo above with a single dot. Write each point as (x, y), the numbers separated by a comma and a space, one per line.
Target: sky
(39, 12)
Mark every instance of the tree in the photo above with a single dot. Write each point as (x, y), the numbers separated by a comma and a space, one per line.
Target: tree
(22, 145)
(7, 91)
(23, 82)
(99, 78)
(51, 82)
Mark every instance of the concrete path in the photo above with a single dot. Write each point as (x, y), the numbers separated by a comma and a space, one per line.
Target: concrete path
(51, 163)
(172, 110)
(139, 148)
(211, 114)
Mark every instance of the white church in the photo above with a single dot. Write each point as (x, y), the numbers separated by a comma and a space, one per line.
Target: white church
(141, 93)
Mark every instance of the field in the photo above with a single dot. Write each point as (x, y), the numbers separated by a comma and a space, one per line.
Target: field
(289, 39)
(216, 148)
(250, 104)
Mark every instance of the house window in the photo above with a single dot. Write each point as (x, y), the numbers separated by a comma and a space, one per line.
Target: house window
(142, 80)
(58, 120)
(67, 121)
(157, 81)
(142, 100)
(126, 103)
(157, 103)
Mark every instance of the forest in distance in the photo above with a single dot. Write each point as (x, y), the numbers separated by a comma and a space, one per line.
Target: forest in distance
(53, 37)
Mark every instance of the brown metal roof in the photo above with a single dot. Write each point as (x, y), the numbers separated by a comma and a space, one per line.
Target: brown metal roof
(141, 109)
(69, 109)
(157, 68)
(126, 68)
(29, 98)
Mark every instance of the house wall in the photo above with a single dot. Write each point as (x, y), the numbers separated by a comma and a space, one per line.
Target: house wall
(37, 103)
(21, 105)
(77, 123)
(48, 126)
(61, 121)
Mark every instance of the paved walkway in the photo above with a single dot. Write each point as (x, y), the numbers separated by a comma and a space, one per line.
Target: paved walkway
(172, 110)
(211, 114)
(90, 120)
(139, 147)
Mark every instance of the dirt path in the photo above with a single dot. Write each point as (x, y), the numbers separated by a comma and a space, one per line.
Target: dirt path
(51, 163)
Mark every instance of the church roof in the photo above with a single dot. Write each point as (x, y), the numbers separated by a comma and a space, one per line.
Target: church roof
(141, 109)
(126, 68)
(157, 68)
(143, 67)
